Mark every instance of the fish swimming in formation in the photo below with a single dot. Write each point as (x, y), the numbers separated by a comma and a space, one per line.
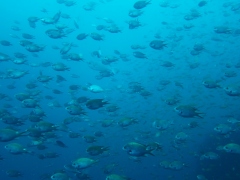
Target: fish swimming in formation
(58, 107)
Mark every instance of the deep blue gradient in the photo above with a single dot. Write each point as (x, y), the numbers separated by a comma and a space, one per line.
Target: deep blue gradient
(161, 20)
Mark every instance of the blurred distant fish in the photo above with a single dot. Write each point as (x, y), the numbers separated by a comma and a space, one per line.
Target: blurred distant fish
(54, 104)
(94, 88)
(51, 20)
(66, 48)
(60, 144)
(96, 103)
(60, 176)
(76, 24)
(141, 4)
(202, 3)
(188, 111)
(44, 10)
(16, 148)
(90, 6)
(81, 36)
(13, 173)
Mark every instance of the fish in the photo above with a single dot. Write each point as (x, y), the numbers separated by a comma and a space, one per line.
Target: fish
(232, 148)
(116, 177)
(141, 4)
(223, 129)
(83, 163)
(75, 110)
(137, 149)
(209, 155)
(13, 173)
(96, 150)
(95, 88)
(61, 144)
(176, 165)
(7, 134)
(16, 148)
(181, 137)
(187, 111)
(60, 176)
(94, 104)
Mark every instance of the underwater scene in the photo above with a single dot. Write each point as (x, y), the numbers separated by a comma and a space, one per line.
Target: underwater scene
(120, 90)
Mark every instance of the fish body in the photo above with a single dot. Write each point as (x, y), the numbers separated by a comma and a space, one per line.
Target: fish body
(176, 165)
(44, 126)
(74, 110)
(187, 111)
(9, 134)
(95, 103)
(96, 150)
(209, 155)
(60, 176)
(126, 121)
(116, 177)
(141, 4)
(162, 124)
(16, 148)
(82, 163)
(95, 88)
(29, 103)
(136, 149)
(232, 148)
(232, 90)
(223, 129)
(181, 137)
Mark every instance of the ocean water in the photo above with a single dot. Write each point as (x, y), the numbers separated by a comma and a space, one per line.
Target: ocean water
(182, 95)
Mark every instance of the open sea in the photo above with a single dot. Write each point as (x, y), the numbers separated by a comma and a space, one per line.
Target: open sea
(120, 90)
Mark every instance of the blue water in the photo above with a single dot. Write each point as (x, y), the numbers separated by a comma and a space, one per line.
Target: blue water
(166, 21)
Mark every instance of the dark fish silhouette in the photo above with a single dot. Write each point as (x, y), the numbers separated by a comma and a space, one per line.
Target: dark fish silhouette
(60, 143)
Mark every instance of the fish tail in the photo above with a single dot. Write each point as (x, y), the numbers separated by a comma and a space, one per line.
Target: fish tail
(200, 115)
(150, 152)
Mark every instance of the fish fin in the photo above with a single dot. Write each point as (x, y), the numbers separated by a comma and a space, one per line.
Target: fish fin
(200, 115)
(150, 152)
